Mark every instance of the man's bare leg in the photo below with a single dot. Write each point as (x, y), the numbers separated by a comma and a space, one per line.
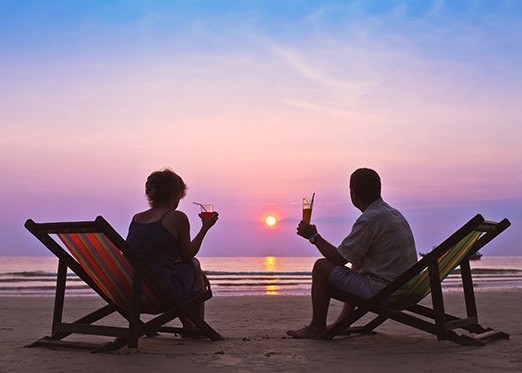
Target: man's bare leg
(320, 301)
(347, 309)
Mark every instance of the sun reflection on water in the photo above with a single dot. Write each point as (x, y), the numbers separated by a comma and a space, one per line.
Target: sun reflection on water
(270, 266)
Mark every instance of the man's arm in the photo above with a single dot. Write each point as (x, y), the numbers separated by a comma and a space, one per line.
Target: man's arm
(329, 251)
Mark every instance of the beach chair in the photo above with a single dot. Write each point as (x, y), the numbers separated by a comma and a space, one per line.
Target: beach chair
(100, 257)
(399, 300)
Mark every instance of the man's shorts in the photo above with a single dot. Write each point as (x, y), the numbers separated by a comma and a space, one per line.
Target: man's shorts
(351, 281)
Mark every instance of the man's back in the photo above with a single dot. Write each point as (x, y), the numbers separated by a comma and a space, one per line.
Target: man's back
(382, 242)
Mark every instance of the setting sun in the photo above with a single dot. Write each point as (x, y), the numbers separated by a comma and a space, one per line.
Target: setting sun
(270, 221)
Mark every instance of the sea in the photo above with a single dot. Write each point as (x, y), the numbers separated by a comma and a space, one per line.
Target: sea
(242, 276)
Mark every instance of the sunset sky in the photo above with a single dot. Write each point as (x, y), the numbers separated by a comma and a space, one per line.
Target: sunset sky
(257, 104)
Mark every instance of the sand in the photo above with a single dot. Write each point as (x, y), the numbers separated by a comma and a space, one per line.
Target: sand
(255, 341)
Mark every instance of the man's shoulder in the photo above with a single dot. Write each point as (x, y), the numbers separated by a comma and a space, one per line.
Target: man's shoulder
(378, 208)
(380, 211)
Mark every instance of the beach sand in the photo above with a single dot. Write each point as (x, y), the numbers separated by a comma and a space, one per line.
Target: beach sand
(255, 341)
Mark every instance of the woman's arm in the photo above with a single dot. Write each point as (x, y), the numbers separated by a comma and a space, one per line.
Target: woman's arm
(177, 223)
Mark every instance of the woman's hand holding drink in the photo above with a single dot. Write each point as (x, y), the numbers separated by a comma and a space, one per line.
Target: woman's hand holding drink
(207, 214)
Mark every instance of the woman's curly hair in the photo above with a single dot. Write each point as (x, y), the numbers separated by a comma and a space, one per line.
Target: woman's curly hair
(162, 185)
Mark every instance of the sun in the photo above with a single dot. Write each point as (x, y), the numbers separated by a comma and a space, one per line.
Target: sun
(270, 221)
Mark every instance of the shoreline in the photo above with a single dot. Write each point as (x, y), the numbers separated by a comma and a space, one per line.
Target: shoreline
(251, 276)
(254, 328)
(478, 288)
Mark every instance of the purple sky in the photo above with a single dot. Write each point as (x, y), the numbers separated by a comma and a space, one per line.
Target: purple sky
(257, 104)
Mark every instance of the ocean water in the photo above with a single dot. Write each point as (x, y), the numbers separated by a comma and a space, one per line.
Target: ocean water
(271, 276)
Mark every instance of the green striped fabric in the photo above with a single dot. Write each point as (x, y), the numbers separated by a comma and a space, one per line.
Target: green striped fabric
(419, 286)
(109, 269)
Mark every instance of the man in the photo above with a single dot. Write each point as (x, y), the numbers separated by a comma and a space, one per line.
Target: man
(380, 247)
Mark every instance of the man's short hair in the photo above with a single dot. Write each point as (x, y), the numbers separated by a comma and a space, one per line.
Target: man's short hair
(366, 183)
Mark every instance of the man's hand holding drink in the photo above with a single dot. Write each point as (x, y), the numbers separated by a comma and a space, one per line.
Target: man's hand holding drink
(308, 204)
(305, 229)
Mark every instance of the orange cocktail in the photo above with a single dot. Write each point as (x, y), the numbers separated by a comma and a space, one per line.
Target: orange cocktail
(308, 204)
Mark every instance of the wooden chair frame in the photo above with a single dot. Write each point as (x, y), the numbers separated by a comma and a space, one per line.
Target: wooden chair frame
(136, 328)
(432, 320)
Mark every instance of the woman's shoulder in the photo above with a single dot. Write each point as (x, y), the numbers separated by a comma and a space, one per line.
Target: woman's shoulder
(153, 216)
(175, 216)
(175, 222)
(141, 217)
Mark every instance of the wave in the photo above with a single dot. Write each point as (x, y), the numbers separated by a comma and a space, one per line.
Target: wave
(34, 274)
(258, 273)
(39, 287)
(242, 282)
(269, 274)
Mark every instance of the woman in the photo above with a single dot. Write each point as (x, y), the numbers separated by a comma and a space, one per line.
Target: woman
(162, 235)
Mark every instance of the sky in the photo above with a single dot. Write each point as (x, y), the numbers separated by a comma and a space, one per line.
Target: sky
(257, 104)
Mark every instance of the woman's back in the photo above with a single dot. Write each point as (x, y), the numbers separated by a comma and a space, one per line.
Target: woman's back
(153, 240)
(160, 249)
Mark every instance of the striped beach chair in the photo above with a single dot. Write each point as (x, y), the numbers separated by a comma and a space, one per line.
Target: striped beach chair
(400, 300)
(99, 256)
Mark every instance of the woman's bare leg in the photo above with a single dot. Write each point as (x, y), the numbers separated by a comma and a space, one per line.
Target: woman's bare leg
(199, 309)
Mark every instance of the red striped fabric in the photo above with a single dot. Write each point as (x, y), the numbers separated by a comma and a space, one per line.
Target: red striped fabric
(109, 269)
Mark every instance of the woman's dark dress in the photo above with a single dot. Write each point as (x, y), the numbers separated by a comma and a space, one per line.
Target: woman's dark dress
(160, 249)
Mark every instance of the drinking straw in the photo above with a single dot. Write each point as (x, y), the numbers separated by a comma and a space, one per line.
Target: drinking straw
(312, 202)
(203, 207)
